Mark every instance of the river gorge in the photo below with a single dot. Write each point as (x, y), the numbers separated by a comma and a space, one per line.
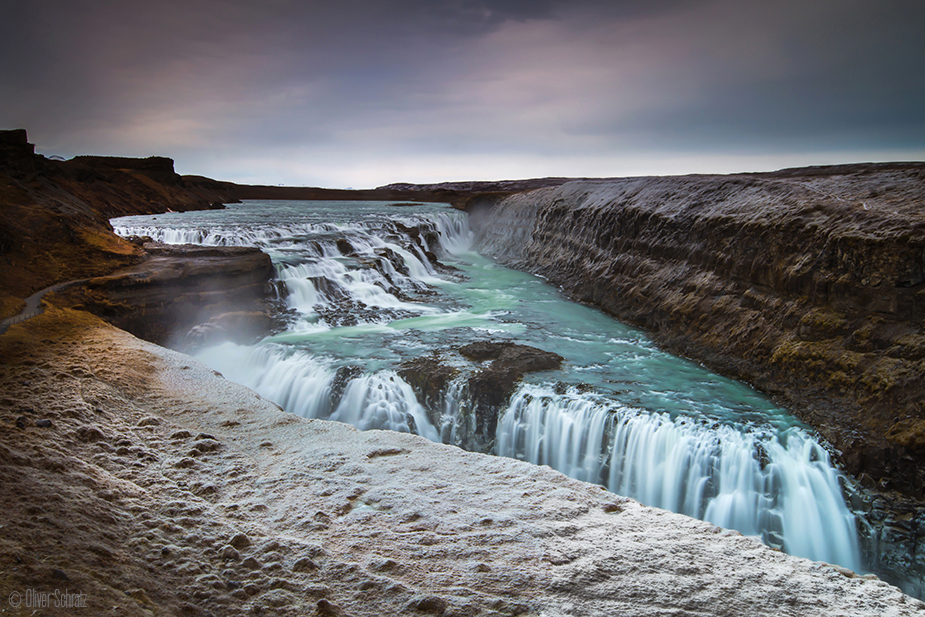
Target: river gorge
(372, 288)
(746, 350)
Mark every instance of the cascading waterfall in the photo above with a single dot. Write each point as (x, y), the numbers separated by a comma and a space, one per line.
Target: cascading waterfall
(277, 236)
(384, 401)
(298, 382)
(780, 487)
(304, 385)
(373, 267)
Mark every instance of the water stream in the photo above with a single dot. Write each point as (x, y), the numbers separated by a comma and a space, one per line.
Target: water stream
(372, 285)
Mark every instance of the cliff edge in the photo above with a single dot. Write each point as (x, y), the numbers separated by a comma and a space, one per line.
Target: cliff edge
(809, 284)
(137, 480)
(54, 215)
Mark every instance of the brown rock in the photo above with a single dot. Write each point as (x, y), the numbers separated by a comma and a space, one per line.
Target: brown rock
(806, 283)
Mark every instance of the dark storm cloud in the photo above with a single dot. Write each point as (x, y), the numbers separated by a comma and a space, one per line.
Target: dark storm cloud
(304, 91)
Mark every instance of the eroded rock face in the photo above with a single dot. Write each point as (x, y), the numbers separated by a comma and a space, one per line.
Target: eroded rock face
(136, 476)
(186, 295)
(810, 286)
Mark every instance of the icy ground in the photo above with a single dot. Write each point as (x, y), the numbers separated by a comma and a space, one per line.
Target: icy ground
(138, 477)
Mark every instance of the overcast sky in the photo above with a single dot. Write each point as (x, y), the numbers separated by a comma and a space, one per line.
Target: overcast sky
(366, 92)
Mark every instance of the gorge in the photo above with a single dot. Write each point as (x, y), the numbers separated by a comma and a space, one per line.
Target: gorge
(382, 316)
(667, 434)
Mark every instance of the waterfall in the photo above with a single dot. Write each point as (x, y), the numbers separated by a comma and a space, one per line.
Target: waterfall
(384, 401)
(365, 294)
(308, 386)
(777, 485)
(265, 236)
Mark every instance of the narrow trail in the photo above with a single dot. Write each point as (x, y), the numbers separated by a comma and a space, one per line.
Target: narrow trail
(33, 306)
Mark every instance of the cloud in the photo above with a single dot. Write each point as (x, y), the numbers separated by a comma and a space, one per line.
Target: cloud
(402, 86)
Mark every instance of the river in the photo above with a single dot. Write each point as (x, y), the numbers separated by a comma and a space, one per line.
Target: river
(370, 285)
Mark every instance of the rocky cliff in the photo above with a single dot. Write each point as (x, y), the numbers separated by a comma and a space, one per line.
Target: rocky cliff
(54, 215)
(809, 284)
(182, 296)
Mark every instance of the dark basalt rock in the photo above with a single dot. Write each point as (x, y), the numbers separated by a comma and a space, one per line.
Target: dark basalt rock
(488, 386)
(523, 358)
(345, 248)
(397, 261)
(186, 295)
(343, 376)
(491, 386)
(429, 376)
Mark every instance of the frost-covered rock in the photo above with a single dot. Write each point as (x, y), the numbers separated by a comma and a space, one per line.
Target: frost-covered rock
(161, 488)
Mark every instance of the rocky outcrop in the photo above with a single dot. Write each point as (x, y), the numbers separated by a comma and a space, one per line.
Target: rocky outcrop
(505, 364)
(484, 385)
(810, 286)
(54, 215)
(136, 478)
(185, 295)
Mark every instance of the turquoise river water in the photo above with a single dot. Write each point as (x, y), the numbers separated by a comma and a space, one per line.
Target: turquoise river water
(620, 412)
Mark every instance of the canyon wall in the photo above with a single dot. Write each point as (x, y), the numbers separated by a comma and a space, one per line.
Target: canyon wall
(808, 284)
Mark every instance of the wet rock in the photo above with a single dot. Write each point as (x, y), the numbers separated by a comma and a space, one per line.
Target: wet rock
(524, 358)
(396, 260)
(345, 248)
(500, 367)
(429, 376)
(491, 386)
(331, 290)
(343, 376)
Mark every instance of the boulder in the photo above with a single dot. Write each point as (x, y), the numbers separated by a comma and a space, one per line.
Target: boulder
(499, 367)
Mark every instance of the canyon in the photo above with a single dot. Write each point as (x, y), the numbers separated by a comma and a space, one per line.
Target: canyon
(807, 284)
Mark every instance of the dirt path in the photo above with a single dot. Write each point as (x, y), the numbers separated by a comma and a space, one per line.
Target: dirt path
(34, 305)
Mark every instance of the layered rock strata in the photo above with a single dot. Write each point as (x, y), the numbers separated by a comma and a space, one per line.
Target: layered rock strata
(144, 483)
(808, 284)
(185, 295)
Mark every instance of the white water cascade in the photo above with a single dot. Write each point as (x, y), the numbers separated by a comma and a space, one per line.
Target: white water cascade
(780, 487)
(364, 296)
(305, 385)
(384, 401)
